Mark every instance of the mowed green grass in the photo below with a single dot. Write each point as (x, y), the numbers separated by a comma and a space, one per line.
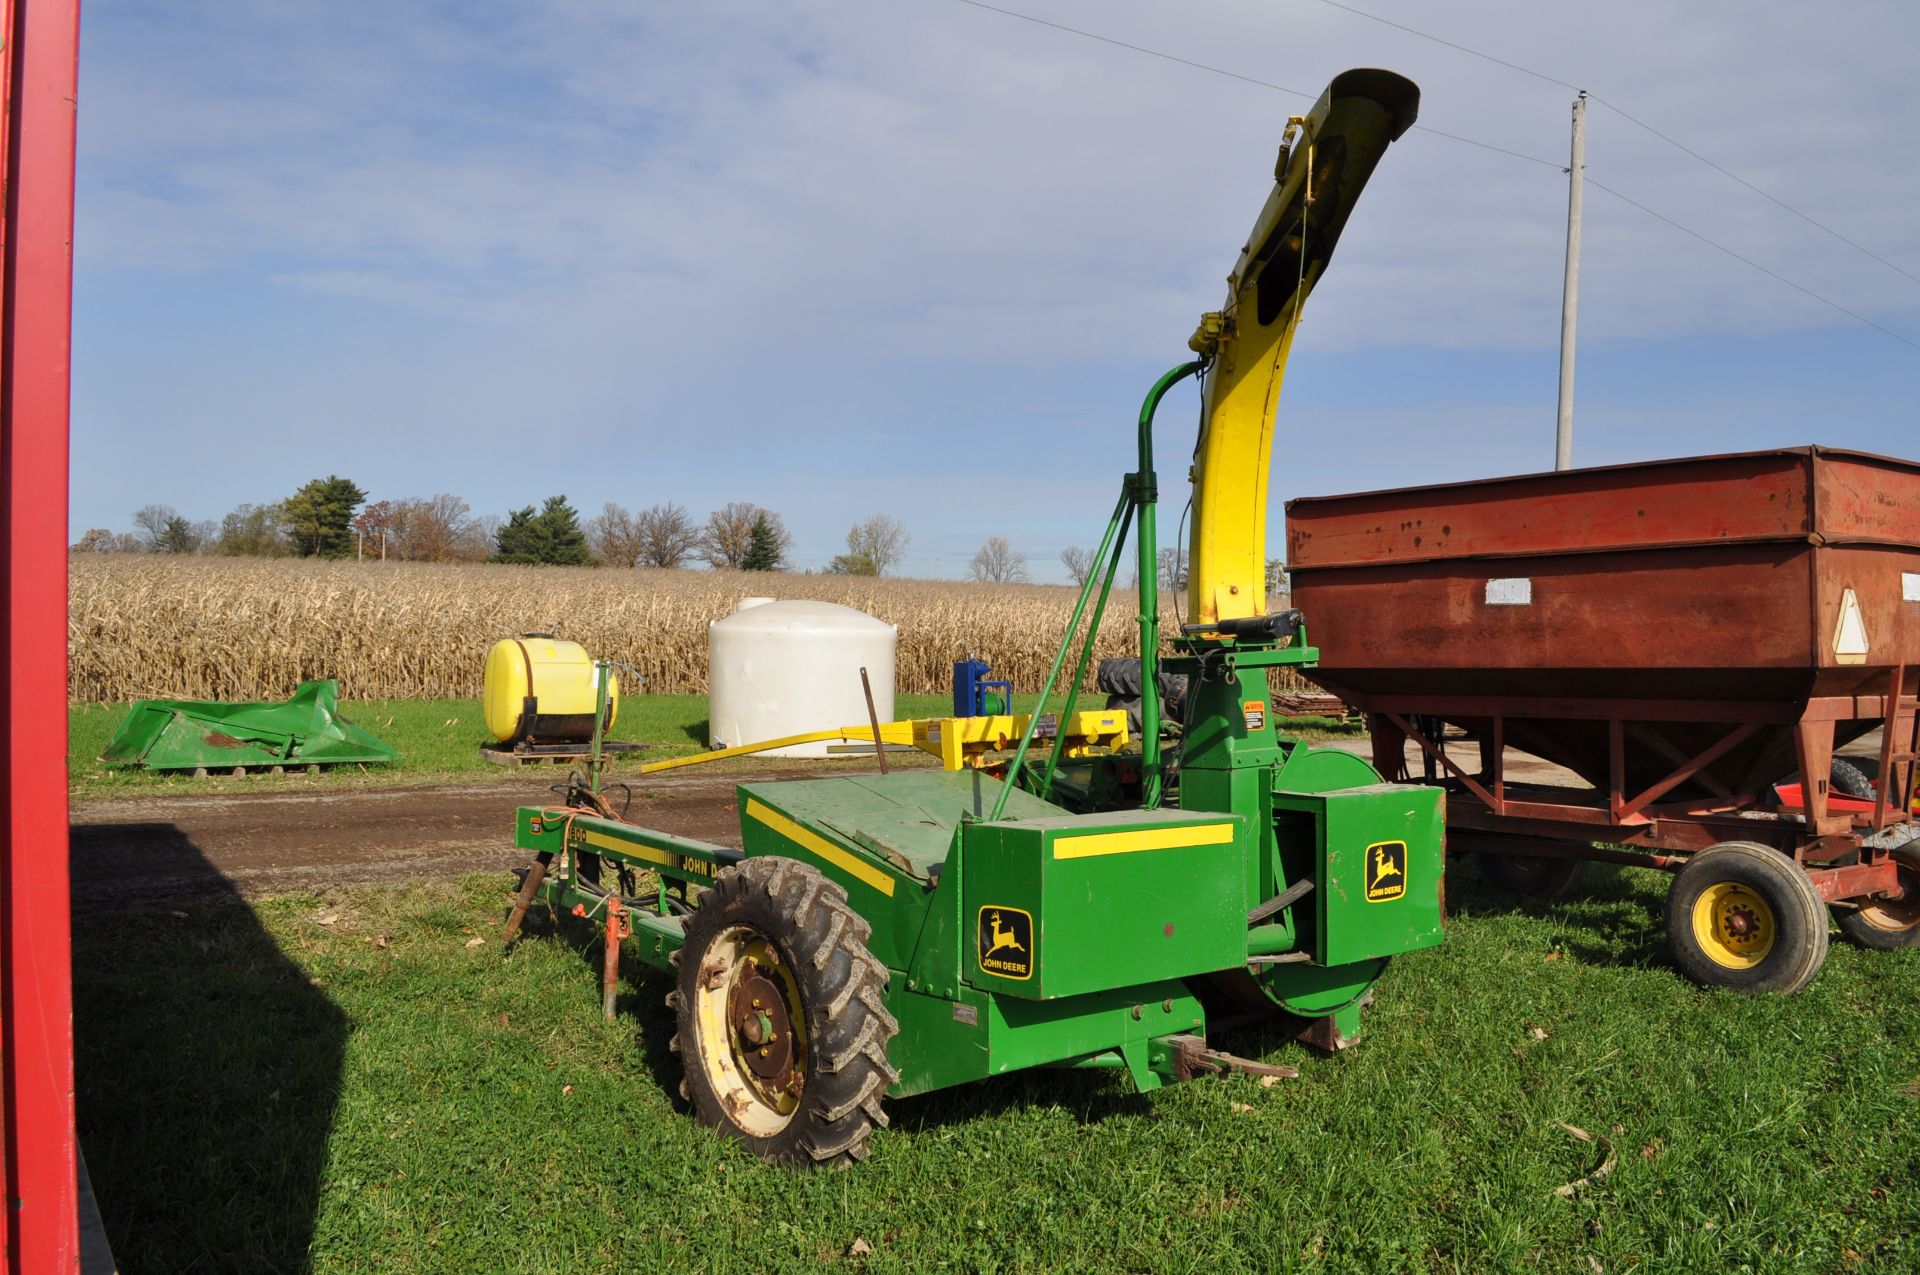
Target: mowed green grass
(438, 739)
(352, 1082)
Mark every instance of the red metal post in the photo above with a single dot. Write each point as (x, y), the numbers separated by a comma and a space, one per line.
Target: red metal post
(40, 60)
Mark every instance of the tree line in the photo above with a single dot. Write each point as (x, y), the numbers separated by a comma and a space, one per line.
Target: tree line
(331, 517)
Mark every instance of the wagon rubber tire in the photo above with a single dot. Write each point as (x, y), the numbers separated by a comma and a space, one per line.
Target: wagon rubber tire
(1535, 876)
(773, 922)
(1888, 925)
(1744, 916)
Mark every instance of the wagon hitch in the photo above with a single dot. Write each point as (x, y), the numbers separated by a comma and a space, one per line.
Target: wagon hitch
(1192, 1058)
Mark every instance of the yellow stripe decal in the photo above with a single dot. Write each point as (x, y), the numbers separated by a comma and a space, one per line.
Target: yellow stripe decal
(851, 864)
(1205, 834)
(664, 858)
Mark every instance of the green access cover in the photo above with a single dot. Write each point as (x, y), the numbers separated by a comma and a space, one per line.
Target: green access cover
(307, 730)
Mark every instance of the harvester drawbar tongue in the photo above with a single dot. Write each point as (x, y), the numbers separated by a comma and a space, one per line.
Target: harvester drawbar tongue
(307, 730)
(881, 936)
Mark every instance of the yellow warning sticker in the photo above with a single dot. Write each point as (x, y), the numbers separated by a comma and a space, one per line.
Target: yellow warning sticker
(1256, 713)
(1386, 871)
(1006, 942)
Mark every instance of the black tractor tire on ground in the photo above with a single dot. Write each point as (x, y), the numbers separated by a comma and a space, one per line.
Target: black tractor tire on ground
(775, 922)
(1888, 925)
(1547, 877)
(1849, 780)
(1746, 917)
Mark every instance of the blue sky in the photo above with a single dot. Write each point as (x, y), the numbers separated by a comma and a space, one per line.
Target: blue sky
(917, 258)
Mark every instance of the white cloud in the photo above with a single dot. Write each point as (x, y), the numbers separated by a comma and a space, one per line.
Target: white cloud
(576, 208)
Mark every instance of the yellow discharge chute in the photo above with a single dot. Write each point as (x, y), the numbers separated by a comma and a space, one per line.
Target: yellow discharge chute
(1324, 164)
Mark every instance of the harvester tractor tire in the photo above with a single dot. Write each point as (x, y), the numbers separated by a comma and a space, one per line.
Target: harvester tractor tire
(1548, 878)
(1888, 923)
(1746, 917)
(782, 1025)
(1849, 780)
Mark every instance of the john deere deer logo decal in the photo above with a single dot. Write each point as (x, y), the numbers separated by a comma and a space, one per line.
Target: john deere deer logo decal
(1006, 942)
(1386, 871)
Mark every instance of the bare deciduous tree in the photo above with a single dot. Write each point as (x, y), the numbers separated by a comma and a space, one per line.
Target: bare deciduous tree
(1077, 561)
(728, 535)
(667, 536)
(382, 528)
(997, 563)
(612, 536)
(442, 528)
(873, 547)
(96, 540)
(662, 536)
(152, 521)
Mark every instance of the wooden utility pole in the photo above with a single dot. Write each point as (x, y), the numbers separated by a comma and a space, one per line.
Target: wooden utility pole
(1570, 291)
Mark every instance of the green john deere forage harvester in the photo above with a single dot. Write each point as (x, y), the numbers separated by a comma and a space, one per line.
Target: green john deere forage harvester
(884, 935)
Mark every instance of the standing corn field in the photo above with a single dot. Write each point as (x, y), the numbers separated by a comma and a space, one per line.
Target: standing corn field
(253, 628)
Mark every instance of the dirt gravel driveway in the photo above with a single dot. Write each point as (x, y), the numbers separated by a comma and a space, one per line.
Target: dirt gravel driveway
(131, 851)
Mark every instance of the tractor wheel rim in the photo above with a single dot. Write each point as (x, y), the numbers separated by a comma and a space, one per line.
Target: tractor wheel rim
(747, 1002)
(1733, 925)
(1901, 911)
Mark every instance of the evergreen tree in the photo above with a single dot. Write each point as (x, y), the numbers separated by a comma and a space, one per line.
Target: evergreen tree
(178, 537)
(319, 517)
(764, 551)
(551, 537)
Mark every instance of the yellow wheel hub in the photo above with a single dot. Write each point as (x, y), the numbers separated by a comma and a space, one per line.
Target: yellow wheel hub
(751, 1030)
(1733, 925)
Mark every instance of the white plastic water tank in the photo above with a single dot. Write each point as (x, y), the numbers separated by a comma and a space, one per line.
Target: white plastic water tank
(786, 668)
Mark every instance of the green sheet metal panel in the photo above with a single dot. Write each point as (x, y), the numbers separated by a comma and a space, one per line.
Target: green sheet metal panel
(950, 1042)
(307, 729)
(1382, 886)
(906, 817)
(883, 837)
(1068, 905)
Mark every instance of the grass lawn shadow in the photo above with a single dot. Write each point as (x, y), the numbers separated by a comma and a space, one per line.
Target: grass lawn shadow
(208, 1069)
(1093, 1096)
(1612, 916)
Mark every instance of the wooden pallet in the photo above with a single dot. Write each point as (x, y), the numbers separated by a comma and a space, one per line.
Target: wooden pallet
(534, 754)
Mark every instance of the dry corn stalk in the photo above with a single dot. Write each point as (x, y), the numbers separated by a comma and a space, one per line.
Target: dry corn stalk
(226, 628)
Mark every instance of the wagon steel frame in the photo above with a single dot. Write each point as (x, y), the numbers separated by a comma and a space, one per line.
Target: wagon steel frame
(1833, 839)
(1670, 631)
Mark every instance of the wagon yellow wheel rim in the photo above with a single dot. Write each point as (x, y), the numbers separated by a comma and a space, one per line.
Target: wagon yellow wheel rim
(752, 1032)
(1898, 913)
(1733, 925)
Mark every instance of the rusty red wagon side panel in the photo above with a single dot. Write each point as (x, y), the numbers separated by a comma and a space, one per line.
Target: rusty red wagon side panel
(1680, 634)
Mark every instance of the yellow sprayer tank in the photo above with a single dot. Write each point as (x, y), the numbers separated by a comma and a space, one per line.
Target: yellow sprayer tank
(540, 690)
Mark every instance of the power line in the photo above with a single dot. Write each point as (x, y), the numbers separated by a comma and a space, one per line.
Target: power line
(1235, 75)
(1554, 164)
(1818, 225)
(1484, 57)
(1635, 120)
(1745, 260)
(1140, 48)
(1534, 159)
